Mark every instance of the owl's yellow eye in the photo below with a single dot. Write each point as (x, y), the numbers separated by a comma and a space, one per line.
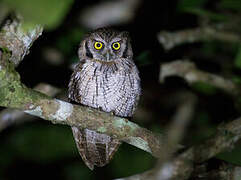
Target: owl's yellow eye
(116, 45)
(98, 45)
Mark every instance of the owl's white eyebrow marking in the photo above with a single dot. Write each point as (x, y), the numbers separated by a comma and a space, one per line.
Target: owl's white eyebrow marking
(98, 39)
(116, 39)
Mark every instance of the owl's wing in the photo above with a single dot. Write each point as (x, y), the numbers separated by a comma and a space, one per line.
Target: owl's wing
(136, 88)
(73, 93)
(95, 149)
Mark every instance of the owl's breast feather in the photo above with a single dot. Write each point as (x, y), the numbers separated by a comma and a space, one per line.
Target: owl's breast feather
(109, 91)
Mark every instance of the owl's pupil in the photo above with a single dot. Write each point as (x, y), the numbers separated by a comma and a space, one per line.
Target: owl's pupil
(116, 45)
(98, 45)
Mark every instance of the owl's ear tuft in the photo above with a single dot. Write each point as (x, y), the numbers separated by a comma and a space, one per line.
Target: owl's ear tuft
(84, 50)
(128, 53)
(125, 34)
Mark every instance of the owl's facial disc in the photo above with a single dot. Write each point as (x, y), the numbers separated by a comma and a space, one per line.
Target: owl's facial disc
(106, 51)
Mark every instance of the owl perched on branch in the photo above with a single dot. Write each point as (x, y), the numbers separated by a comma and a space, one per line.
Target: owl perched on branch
(105, 78)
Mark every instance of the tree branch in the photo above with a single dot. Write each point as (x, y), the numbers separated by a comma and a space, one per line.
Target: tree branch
(182, 166)
(17, 38)
(14, 94)
(10, 116)
(187, 70)
(224, 140)
(171, 39)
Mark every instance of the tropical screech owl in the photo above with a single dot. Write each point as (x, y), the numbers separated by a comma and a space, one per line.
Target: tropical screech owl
(105, 78)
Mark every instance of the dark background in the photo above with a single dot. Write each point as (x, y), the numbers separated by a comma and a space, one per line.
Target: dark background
(41, 150)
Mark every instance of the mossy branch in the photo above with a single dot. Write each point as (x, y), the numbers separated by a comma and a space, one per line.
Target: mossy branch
(14, 94)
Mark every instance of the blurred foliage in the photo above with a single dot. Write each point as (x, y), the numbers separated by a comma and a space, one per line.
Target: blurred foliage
(198, 7)
(44, 144)
(218, 13)
(231, 4)
(204, 88)
(237, 60)
(210, 48)
(49, 13)
(69, 40)
(203, 127)
(236, 79)
(207, 14)
(77, 171)
(143, 59)
(40, 143)
(233, 156)
(130, 160)
(185, 5)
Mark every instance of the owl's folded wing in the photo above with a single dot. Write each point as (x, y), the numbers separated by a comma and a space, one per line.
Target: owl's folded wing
(73, 93)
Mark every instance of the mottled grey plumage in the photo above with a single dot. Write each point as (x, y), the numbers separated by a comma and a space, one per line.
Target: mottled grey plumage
(107, 79)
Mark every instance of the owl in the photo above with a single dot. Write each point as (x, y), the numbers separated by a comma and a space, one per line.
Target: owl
(107, 79)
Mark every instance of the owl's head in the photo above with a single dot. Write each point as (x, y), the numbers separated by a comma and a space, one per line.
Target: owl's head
(106, 44)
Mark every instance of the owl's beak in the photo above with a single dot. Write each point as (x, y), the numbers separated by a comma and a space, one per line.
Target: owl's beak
(108, 56)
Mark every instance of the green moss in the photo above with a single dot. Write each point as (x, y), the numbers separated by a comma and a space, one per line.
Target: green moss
(102, 129)
(12, 92)
(5, 50)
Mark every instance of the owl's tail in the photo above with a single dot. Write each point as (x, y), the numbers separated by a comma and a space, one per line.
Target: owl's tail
(95, 149)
